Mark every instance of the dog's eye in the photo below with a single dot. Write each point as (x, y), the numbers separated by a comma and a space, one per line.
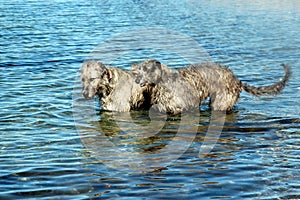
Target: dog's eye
(92, 79)
(145, 69)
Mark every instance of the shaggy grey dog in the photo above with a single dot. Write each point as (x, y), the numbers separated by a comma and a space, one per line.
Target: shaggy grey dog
(116, 88)
(185, 88)
(171, 93)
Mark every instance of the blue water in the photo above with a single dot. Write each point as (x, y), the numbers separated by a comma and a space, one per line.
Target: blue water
(43, 153)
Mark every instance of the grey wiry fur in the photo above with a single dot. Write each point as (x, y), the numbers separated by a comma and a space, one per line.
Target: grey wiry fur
(116, 88)
(199, 82)
(171, 92)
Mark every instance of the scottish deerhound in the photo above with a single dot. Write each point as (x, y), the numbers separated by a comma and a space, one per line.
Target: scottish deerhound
(196, 83)
(116, 88)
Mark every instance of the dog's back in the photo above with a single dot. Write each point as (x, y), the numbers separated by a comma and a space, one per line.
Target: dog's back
(214, 81)
(173, 93)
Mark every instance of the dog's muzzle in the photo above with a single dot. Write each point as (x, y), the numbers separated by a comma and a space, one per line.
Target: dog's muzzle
(87, 93)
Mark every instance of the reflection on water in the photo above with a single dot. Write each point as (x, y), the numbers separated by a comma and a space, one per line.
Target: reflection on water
(224, 165)
(139, 140)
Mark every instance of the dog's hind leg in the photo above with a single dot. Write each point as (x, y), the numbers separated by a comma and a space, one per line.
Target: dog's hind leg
(223, 101)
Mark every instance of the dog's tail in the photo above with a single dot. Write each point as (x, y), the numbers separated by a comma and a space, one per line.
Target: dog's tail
(273, 89)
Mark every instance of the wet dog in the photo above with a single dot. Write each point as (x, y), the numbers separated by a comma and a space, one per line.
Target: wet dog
(184, 88)
(171, 93)
(116, 88)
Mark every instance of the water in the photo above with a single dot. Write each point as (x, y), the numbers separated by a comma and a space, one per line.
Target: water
(43, 153)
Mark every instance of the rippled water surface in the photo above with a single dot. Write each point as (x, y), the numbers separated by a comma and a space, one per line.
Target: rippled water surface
(55, 145)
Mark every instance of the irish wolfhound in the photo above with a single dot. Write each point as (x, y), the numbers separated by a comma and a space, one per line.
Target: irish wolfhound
(116, 88)
(171, 92)
(186, 87)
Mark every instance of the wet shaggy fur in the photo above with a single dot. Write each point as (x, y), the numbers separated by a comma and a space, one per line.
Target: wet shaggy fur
(116, 88)
(183, 88)
(171, 93)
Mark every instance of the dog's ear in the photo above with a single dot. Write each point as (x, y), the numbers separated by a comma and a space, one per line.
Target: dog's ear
(134, 67)
(108, 74)
(157, 63)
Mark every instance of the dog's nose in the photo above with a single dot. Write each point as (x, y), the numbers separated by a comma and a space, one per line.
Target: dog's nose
(85, 94)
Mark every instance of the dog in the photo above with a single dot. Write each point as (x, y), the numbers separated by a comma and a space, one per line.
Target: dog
(116, 88)
(195, 83)
(171, 93)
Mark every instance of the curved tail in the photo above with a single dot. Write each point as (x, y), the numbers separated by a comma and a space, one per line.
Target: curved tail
(273, 89)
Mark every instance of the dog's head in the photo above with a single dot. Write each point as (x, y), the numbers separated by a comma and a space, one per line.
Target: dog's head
(94, 77)
(148, 72)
